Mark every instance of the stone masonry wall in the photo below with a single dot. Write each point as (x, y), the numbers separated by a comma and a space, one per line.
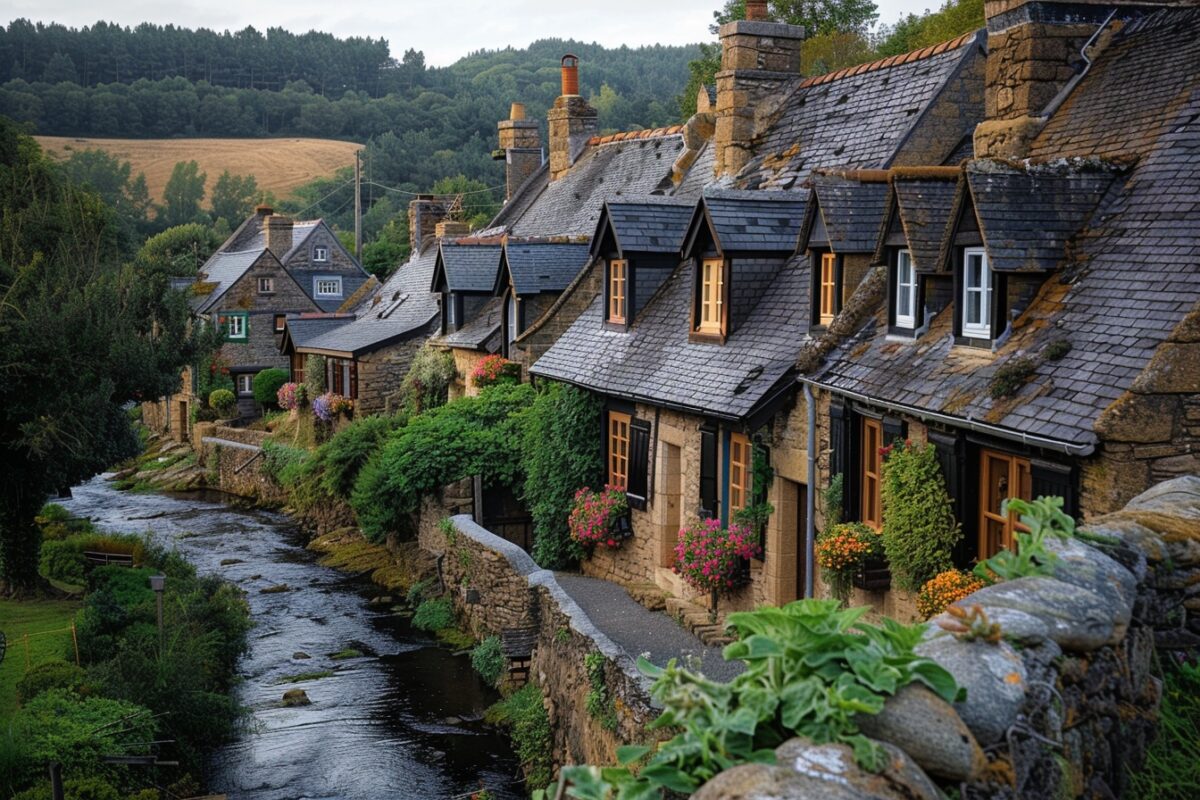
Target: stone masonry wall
(233, 458)
(533, 344)
(382, 372)
(1064, 706)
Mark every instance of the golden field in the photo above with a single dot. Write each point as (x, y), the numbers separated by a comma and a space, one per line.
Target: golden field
(279, 165)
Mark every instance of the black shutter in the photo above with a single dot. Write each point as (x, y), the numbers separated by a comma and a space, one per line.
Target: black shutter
(838, 460)
(1054, 480)
(950, 449)
(637, 488)
(837, 285)
(893, 430)
(708, 472)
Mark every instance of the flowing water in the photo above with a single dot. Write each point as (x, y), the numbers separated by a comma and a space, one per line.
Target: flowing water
(402, 721)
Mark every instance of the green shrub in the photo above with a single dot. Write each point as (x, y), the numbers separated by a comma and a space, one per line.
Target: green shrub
(76, 789)
(832, 498)
(267, 383)
(418, 591)
(314, 375)
(561, 452)
(524, 714)
(53, 512)
(54, 674)
(1009, 378)
(62, 560)
(344, 455)
(599, 705)
(1057, 350)
(434, 615)
(427, 384)
(488, 660)
(222, 401)
(919, 528)
(281, 462)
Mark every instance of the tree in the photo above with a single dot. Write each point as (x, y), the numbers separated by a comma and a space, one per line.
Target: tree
(182, 196)
(82, 336)
(110, 177)
(60, 69)
(478, 201)
(912, 32)
(233, 197)
(178, 251)
(389, 249)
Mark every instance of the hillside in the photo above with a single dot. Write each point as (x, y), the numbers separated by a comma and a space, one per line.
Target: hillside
(279, 165)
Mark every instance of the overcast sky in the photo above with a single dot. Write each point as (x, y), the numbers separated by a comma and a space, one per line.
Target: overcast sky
(445, 30)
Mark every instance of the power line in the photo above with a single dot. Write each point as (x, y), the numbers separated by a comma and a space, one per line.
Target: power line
(326, 197)
(418, 194)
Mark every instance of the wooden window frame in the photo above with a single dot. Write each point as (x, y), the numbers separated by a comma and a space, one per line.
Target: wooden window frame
(617, 437)
(280, 323)
(298, 360)
(266, 285)
(871, 472)
(1019, 474)
(709, 331)
(618, 290)
(827, 289)
(980, 331)
(905, 318)
(740, 472)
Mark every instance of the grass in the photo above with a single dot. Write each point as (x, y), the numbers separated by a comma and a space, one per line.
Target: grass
(20, 617)
(1172, 769)
(279, 165)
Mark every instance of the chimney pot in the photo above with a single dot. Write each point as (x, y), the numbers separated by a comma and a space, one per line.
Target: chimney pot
(570, 75)
(517, 112)
(756, 9)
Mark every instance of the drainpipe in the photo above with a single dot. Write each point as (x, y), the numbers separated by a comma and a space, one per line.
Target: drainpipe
(810, 530)
(1065, 92)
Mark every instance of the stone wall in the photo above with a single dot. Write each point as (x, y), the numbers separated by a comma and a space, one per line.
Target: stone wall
(1063, 707)
(381, 373)
(544, 331)
(496, 588)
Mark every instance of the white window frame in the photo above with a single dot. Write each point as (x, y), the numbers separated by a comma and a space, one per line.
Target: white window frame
(318, 280)
(235, 326)
(266, 286)
(906, 317)
(249, 381)
(981, 329)
(320, 253)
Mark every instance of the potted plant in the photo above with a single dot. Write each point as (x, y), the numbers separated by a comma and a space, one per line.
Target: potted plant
(843, 552)
(600, 518)
(710, 557)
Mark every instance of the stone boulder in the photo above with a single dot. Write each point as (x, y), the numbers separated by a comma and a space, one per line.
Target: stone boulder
(766, 782)
(994, 677)
(1076, 618)
(1082, 565)
(900, 777)
(1179, 497)
(1131, 534)
(296, 697)
(929, 729)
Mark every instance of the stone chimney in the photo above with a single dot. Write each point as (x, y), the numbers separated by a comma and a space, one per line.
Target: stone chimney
(278, 230)
(263, 210)
(1033, 56)
(450, 229)
(424, 214)
(572, 121)
(520, 147)
(757, 58)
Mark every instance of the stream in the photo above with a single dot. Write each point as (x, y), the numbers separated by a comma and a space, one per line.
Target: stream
(401, 721)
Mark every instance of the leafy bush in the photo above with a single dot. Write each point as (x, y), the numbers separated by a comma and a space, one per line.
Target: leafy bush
(53, 674)
(62, 560)
(495, 369)
(599, 705)
(344, 455)
(76, 789)
(427, 384)
(267, 385)
(212, 374)
(280, 461)
(488, 660)
(709, 557)
(222, 401)
(314, 375)
(561, 451)
(833, 498)
(594, 515)
(1043, 517)
(434, 615)
(919, 528)
(841, 550)
(811, 669)
(946, 588)
(470, 436)
(524, 714)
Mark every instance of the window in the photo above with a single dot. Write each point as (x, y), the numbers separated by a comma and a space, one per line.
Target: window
(712, 287)
(245, 384)
(298, 367)
(906, 291)
(977, 295)
(341, 376)
(618, 449)
(739, 472)
(327, 287)
(1001, 476)
(266, 285)
(280, 322)
(320, 253)
(828, 288)
(872, 470)
(236, 326)
(617, 271)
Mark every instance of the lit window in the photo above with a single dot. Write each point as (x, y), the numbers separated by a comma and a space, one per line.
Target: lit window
(235, 326)
(872, 470)
(616, 290)
(320, 253)
(739, 472)
(280, 322)
(618, 449)
(712, 285)
(1001, 476)
(828, 296)
(266, 285)
(327, 287)
(977, 295)
(245, 384)
(906, 291)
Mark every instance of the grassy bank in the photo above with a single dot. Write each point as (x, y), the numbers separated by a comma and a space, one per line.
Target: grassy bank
(43, 621)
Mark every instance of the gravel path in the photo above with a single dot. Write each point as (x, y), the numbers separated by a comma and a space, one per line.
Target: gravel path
(638, 630)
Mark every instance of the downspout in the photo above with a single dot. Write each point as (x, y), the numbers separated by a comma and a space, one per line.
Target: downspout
(810, 529)
(1065, 92)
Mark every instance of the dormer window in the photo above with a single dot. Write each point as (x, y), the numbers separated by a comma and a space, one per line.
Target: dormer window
(826, 284)
(325, 286)
(266, 285)
(618, 270)
(320, 253)
(906, 291)
(976, 295)
(710, 313)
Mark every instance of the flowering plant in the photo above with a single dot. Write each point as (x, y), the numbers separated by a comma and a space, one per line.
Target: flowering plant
(495, 369)
(287, 398)
(946, 588)
(592, 518)
(709, 556)
(842, 550)
(328, 406)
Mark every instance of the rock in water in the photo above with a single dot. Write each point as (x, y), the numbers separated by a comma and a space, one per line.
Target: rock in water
(296, 697)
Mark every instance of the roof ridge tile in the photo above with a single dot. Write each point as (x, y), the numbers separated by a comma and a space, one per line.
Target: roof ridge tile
(892, 61)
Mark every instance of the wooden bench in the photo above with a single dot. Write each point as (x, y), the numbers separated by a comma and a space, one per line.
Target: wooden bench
(98, 558)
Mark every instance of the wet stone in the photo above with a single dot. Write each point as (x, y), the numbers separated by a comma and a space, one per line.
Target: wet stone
(296, 697)
(300, 655)
(765, 782)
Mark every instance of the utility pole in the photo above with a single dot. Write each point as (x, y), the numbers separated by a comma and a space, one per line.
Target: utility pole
(358, 204)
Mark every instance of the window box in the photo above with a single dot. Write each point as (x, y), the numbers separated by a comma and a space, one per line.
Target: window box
(874, 575)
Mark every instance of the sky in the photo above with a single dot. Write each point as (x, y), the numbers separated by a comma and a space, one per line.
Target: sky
(445, 30)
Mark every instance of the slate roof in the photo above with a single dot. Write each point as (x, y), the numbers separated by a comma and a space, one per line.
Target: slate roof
(655, 362)
(649, 225)
(224, 269)
(745, 222)
(304, 329)
(851, 211)
(536, 267)
(482, 332)
(923, 205)
(856, 117)
(402, 307)
(1027, 216)
(467, 267)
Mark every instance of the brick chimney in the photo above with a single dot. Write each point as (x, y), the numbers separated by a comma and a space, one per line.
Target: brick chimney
(1033, 56)
(424, 213)
(757, 58)
(278, 230)
(572, 121)
(520, 147)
